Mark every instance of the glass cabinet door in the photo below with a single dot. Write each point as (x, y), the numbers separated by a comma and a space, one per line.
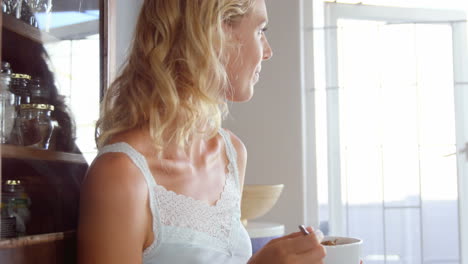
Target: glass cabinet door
(51, 83)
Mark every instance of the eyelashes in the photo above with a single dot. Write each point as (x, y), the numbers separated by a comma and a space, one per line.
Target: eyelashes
(262, 31)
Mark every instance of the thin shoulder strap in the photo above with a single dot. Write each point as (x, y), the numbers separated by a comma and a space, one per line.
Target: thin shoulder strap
(232, 156)
(140, 161)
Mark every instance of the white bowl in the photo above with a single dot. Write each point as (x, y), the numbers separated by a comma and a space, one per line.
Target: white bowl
(346, 251)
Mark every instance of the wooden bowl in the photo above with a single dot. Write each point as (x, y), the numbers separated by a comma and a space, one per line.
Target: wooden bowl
(258, 200)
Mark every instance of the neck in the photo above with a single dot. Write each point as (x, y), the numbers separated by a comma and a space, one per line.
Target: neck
(198, 146)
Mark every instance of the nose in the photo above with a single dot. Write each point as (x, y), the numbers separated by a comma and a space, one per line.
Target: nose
(267, 51)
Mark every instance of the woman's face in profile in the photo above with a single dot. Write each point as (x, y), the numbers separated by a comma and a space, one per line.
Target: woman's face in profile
(250, 48)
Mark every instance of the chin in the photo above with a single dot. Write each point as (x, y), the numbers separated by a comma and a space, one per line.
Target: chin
(245, 99)
(241, 93)
(242, 97)
(239, 99)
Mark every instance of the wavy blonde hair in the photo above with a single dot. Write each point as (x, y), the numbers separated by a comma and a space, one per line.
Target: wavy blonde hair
(174, 79)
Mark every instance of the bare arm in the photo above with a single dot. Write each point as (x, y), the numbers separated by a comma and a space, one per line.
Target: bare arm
(113, 220)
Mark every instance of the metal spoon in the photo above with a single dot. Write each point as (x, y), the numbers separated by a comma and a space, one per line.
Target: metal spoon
(317, 232)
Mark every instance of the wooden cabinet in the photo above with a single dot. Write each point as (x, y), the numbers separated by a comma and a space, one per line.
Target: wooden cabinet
(63, 45)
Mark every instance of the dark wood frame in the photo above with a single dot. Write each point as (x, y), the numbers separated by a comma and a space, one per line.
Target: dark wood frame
(59, 247)
(103, 37)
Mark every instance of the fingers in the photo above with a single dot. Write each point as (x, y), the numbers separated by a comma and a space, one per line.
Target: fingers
(304, 243)
(293, 248)
(308, 248)
(311, 231)
(297, 242)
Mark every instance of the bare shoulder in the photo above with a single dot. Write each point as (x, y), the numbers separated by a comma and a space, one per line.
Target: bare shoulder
(113, 214)
(114, 181)
(114, 171)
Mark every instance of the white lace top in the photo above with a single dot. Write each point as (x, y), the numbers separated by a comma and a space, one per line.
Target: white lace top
(192, 231)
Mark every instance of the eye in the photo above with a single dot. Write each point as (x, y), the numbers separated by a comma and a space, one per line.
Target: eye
(262, 31)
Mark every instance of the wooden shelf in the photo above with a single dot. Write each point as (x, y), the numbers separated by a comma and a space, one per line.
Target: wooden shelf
(19, 152)
(21, 28)
(35, 239)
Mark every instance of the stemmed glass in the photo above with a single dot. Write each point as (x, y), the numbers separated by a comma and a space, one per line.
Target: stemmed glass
(10, 7)
(38, 6)
(25, 10)
(6, 6)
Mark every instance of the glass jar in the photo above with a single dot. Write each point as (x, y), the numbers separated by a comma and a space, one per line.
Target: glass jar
(14, 209)
(7, 219)
(20, 88)
(7, 105)
(35, 125)
(39, 92)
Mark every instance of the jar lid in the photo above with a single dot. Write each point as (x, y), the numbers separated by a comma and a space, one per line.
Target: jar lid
(38, 106)
(11, 187)
(13, 182)
(20, 76)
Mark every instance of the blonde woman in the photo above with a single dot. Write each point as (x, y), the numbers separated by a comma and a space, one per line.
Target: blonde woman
(166, 184)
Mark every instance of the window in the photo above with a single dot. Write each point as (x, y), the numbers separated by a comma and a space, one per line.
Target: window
(390, 115)
(75, 60)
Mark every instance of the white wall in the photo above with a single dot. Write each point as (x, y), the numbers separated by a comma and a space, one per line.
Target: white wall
(270, 124)
(126, 13)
